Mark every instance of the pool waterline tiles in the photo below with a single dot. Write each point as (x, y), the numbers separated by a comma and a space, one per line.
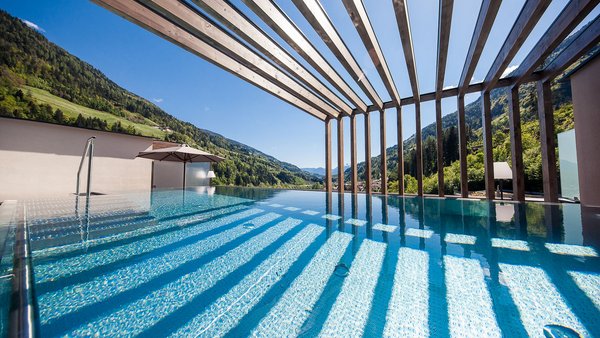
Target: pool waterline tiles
(225, 313)
(57, 304)
(350, 312)
(141, 314)
(296, 304)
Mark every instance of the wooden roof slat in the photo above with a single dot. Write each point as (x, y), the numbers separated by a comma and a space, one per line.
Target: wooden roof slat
(401, 11)
(237, 22)
(315, 14)
(586, 40)
(148, 19)
(485, 20)
(358, 14)
(528, 17)
(271, 14)
(202, 27)
(573, 13)
(444, 26)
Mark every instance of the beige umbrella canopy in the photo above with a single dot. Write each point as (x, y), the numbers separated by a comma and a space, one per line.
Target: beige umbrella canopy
(182, 153)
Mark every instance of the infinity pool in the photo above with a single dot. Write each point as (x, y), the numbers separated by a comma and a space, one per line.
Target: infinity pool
(268, 263)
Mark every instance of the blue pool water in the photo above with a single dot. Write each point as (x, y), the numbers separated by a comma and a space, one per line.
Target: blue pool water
(269, 263)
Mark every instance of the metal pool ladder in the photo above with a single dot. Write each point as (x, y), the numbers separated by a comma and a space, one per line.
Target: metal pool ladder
(89, 151)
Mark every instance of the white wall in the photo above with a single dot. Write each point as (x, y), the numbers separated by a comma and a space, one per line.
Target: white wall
(40, 160)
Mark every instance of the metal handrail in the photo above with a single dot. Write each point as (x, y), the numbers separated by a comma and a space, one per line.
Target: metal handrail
(88, 150)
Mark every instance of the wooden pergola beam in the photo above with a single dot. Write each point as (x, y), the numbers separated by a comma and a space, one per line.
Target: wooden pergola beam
(272, 15)
(353, 154)
(205, 29)
(400, 151)
(548, 145)
(444, 26)
(383, 156)
(238, 23)
(401, 11)
(360, 19)
(485, 21)
(155, 23)
(367, 153)
(328, 181)
(586, 40)
(573, 13)
(340, 154)
(315, 14)
(516, 145)
(419, 148)
(528, 17)
(462, 146)
(488, 157)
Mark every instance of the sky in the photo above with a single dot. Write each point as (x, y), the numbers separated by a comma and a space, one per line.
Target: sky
(193, 90)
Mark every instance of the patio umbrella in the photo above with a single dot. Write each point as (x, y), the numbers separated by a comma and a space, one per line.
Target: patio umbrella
(182, 153)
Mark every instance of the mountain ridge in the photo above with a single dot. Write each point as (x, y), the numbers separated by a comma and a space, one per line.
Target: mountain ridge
(28, 58)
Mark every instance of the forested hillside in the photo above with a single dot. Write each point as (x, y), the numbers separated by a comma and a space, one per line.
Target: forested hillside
(41, 81)
(563, 120)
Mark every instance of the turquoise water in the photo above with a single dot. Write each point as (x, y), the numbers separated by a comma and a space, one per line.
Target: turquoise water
(250, 262)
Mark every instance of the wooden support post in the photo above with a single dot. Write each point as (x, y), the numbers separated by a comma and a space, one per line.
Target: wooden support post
(353, 154)
(439, 134)
(400, 152)
(462, 145)
(488, 155)
(516, 145)
(367, 154)
(340, 150)
(383, 156)
(546, 116)
(419, 149)
(328, 185)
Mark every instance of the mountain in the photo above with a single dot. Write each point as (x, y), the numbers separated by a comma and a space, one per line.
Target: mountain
(41, 81)
(321, 171)
(563, 120)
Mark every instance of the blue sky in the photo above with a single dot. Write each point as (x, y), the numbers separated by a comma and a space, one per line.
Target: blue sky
(194, 90)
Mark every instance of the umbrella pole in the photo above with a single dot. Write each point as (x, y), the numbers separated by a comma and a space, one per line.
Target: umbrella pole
(184, 163)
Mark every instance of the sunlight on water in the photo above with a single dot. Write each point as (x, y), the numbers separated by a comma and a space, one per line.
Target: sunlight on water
(351, 309)
(538, 300)
(469, 303)
(408, 310)
(296, 304)
(135, 317)
(573, 250)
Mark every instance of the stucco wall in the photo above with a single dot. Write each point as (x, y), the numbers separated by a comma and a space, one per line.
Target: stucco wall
(586, 108)
(41, 160)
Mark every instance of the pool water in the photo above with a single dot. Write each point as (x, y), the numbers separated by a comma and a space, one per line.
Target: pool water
(274, 263)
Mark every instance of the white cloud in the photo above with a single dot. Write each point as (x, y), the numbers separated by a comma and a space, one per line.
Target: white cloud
(449, 87)
(509, 70)
(33, 26)
(158, 100)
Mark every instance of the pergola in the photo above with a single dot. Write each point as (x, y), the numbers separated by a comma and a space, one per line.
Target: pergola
(227, 44)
